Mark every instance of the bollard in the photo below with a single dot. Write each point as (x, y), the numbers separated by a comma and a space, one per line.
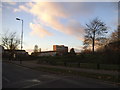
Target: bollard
(65, 64)
(98, 66)
(20, 61)
(79, 64)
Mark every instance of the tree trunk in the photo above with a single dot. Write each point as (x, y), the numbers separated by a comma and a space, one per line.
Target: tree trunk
(93, 45)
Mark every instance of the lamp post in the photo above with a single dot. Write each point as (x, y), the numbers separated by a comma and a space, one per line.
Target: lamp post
(21, 33)
(21, 36)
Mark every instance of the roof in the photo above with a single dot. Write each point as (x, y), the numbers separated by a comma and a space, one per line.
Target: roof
(46, 51)
(15, 50)
(60, 45)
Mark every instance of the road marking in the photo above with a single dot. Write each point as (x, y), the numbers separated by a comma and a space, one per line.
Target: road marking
(31, 85)
(6, 79)
(34, 80)
(42, 83)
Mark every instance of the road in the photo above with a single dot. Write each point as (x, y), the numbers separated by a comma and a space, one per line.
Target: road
(14, 76)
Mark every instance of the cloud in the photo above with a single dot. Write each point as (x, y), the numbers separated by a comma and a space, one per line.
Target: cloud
(77, 48)
(0, 9)
(8, 5)
(21, 8)
(29, 51)
(38, 30)
(11, 3)
(58, 16)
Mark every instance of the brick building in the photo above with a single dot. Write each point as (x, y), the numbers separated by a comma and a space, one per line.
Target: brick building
(60, 49)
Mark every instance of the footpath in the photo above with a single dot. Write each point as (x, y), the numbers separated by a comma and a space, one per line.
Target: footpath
(33, 64)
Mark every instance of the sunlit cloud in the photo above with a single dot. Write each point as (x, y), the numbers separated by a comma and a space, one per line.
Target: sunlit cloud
(29, 51)
(60, 16)
(21, 8)
(38, 30)
(77, 48)
(52, 14)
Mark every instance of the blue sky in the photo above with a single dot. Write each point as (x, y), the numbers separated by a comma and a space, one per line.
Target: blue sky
(51, 23)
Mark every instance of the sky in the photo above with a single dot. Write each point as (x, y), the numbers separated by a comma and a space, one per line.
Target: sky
(55, 23)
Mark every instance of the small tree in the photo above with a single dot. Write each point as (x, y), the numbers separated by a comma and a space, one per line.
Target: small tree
(95, 32)
(10, 41)
(114, 41)
(72, 52)
(115, 36)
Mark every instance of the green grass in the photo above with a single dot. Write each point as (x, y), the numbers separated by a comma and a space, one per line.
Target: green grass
(109, 67)
(87, 65)
(107, 61)
(103, 77)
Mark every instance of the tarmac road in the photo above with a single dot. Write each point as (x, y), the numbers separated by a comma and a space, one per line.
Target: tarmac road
(14, 76)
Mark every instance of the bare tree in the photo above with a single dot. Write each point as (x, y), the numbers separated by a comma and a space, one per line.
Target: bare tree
(95, 33)
(10, 41)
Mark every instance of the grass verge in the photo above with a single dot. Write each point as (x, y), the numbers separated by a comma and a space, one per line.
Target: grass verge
(104, 77)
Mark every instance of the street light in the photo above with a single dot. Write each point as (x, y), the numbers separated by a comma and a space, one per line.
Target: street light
(21, 36)
(21, 33)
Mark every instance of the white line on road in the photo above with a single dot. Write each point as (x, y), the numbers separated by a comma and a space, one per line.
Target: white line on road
(31, 85)
(5, 79)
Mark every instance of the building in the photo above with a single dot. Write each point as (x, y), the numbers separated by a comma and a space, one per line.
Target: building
(1, 50)
(44, 53)
(57, 50)
(47, 53)
(78, 53)
(61, 49)
(22, 52)
(6, 53)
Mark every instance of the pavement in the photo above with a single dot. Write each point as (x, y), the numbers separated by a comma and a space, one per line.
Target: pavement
(33, 64)
(17, 76)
